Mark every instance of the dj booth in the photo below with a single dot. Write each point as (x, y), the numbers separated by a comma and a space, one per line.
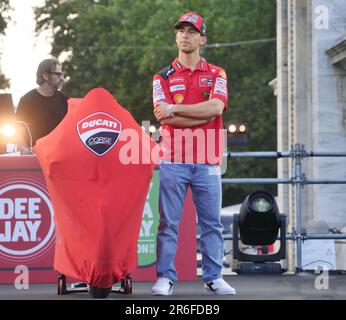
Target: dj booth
(27, 230)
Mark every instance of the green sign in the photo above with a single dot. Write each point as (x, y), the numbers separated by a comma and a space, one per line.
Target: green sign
(146, 247)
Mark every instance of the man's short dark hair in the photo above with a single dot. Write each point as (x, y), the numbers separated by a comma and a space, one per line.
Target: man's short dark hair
(45, 66)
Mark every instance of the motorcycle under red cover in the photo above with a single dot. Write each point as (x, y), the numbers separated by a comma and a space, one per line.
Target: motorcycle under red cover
(98, 199)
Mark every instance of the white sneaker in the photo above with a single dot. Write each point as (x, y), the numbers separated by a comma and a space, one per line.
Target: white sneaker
(218, 286)
(162, 287)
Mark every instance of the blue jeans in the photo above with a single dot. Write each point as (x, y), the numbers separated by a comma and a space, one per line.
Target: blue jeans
(205, 183)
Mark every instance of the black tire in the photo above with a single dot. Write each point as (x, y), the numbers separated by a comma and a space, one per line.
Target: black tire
(61, 284)
(99, 293)
(127, 285)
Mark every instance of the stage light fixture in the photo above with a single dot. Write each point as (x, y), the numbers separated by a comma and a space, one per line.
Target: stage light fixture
(242, 128)
(259, 219)
(8, 130)
(258, 224)
(236, 135)
(232, 128)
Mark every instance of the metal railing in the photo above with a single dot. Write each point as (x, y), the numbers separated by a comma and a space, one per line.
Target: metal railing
(298, 153)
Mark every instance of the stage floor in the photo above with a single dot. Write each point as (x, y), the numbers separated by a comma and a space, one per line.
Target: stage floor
(302, 286)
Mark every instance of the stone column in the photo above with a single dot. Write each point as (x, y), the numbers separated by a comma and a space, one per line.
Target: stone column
(311, 92)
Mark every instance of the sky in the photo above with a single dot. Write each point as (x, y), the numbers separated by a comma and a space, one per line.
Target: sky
(22, 50)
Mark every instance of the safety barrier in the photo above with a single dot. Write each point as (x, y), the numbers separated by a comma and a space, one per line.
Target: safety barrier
(299, 180)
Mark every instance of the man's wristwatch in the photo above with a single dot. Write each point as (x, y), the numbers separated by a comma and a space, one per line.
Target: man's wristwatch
(170, 110)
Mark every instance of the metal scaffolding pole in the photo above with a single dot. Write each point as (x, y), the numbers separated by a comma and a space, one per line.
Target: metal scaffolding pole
(260, 154)
(256, 181)
(292, 237)
(324, 181)
(298, 194)
(297, 153)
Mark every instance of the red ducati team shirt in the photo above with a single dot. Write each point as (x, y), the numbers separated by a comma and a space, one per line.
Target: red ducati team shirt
(177, 84)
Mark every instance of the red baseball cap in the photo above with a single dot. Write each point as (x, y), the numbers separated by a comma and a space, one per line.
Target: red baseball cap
(194, 19)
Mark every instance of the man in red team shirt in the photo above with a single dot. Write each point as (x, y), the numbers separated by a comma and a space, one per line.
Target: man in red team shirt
(189, 98)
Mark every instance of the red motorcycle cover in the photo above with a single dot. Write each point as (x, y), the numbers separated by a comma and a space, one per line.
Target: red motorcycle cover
(98, 168)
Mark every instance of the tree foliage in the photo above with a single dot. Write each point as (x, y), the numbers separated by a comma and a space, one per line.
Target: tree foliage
(4, 9)
(120, 44)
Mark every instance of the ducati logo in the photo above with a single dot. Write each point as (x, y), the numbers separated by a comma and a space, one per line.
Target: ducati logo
(99, 132)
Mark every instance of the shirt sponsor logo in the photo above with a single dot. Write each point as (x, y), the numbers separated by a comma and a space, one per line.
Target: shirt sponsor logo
(170, 71)
(205, 81)
(176, 79)
(99, 132)
(206, 94)
(178, 98)
(220, 87)
(158, 95)
(177, 88)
